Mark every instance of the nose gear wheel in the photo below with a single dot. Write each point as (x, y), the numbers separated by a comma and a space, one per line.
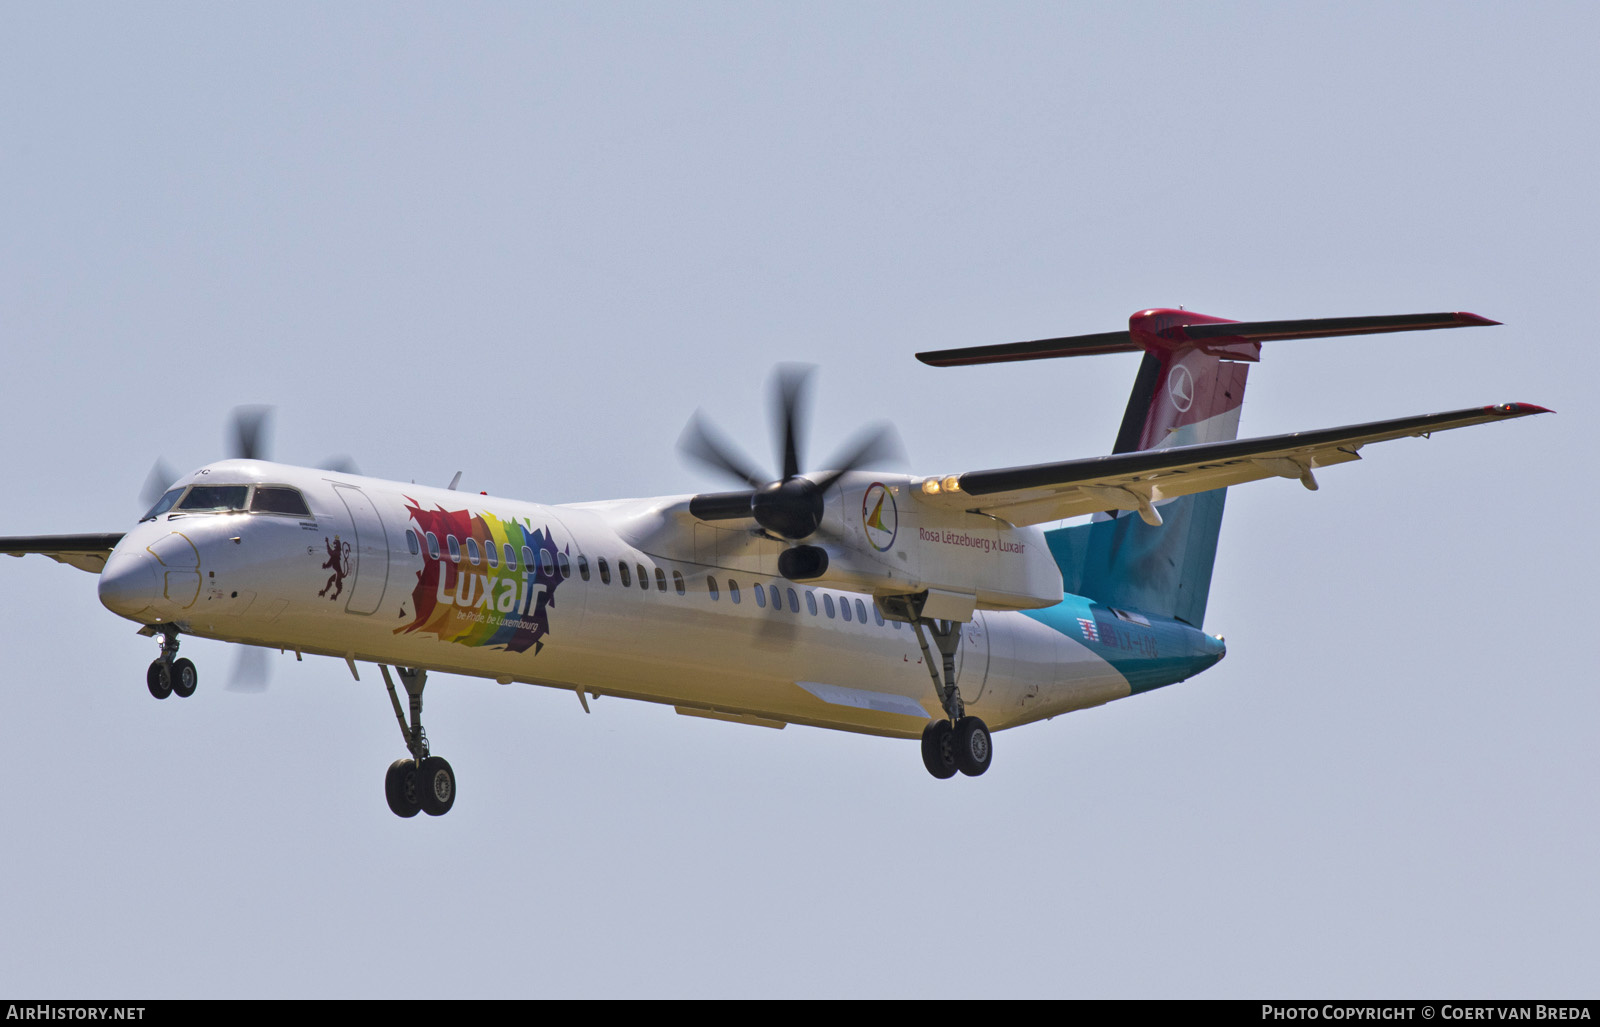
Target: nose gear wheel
(168, 673)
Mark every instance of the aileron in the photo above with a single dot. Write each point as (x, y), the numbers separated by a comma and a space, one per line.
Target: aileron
(1133, 481)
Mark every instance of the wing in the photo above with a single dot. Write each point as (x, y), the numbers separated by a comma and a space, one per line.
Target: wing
(86, 552)
(1137, 481)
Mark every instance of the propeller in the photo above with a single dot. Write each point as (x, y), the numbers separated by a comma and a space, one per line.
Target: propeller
(248, 432)
(790, 506)
(251, 670)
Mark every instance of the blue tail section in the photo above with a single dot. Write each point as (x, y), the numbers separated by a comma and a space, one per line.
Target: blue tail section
(1162, 571)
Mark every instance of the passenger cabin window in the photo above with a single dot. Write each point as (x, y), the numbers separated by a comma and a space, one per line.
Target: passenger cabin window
(827, 604)
(565, 565)
(492, 551)
(433, 544)
(711, 586)
(761, 596)
(733, 591)
(794, 601)
(644, 578)
(583, 567)
(661, 580)
(527, 559)
(811, 603)
(412, 546)
(214, 498)
(511, 557)
(622, 569)
(677, 582)
(547, 565)
(605, 572)
(162, 505)
(454, 547)
(472, 550)
(861, 612)
(279, 499)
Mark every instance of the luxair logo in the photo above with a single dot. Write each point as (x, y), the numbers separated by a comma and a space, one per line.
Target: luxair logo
(1180, 388)
(880, 518)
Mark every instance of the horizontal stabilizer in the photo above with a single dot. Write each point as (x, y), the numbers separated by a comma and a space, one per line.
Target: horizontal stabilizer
(1203, 333)
(1040, 349)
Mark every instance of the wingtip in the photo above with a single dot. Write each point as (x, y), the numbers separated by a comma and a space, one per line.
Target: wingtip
(1473, 319)
(1519, 409)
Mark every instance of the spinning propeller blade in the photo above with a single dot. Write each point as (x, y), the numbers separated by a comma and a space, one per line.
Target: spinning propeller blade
(790, 506)
(249, 430)
(251, 670)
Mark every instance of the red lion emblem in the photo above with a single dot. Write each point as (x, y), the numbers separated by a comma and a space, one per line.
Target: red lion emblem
(338, 562)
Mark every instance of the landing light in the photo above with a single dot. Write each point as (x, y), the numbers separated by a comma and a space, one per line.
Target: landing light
(952, 484)
(930, 486)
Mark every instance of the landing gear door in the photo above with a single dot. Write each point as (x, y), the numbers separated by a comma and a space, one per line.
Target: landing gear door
(973, 670)
(364, 559)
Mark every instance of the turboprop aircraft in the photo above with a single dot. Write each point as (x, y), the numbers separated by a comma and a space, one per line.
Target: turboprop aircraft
(931, 606)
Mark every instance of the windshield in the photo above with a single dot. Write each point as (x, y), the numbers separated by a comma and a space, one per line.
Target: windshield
(215, 497)
(278, 499)
(162, 505)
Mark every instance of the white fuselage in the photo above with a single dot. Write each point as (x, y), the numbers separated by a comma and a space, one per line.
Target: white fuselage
(621, 598)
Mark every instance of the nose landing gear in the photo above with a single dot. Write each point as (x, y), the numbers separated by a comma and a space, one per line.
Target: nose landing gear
(169, 674)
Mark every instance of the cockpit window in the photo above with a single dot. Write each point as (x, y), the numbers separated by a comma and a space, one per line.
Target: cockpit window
(215, 497)
(279, 499)
(162, 505)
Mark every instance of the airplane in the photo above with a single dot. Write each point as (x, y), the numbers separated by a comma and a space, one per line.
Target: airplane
(939, 607)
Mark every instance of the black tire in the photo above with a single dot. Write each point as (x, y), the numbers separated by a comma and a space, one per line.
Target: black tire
(400, 788)
(437, 785)
(973, 750)
(159, 679)
(184, 678)
(938, 749)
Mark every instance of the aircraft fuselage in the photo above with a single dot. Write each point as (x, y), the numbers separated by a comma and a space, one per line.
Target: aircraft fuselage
(617, 599)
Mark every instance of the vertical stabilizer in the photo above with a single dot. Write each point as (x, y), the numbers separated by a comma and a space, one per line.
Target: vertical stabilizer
(1186, 392)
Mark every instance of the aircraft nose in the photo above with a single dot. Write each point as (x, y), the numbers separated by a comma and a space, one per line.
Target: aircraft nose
(129, 584)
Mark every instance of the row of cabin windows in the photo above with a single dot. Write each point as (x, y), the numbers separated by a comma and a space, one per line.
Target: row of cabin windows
(490, 553)
(627, 577)
(847, 608)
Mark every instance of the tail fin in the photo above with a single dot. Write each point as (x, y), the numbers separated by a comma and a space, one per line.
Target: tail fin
(1189, 389)
(1185, 393)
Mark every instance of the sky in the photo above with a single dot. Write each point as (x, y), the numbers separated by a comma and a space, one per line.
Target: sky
(527, 241)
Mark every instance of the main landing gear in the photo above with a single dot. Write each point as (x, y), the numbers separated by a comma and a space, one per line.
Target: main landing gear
(423, 783)
(958, 743)
(168, 674)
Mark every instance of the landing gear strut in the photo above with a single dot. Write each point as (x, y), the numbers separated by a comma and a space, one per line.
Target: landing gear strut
(424, 783)
(168, 673)
(959, 742)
